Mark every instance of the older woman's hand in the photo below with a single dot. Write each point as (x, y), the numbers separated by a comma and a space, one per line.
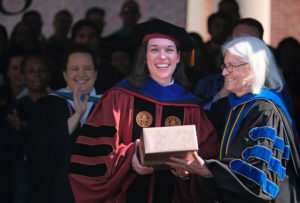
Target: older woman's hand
(181, 173)
(135, 163)
(197, 166)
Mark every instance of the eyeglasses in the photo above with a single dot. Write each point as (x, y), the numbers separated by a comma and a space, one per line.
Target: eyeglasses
(229, 68)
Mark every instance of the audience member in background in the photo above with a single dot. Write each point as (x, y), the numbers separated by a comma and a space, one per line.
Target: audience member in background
(288, 58)
(197, 38)
(248, 26)
(153, 96)
(56, 46)
(195, 61)
(219, 27)
(8, 93)
(260, 148)
(121, 59)
(86, 32)
(23, 35)
(62, 23)
(130, 15)
(34, 19)
(3, 47)
(59, 41)
(54, 124)
(231, 8)
(13, 79)
(36, 75)
(97, 16)
(3, 39)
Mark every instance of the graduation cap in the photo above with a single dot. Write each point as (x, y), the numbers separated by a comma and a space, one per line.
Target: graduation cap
(157, 28)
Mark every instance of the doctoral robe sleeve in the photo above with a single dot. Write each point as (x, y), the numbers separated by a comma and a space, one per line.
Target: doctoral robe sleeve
(255, 165)
(101, 161)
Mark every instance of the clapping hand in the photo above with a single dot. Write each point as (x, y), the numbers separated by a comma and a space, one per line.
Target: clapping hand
(79, 105)
(14, 120)
(79, 108)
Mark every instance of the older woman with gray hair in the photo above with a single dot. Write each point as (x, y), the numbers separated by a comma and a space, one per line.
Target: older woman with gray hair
(259, 153)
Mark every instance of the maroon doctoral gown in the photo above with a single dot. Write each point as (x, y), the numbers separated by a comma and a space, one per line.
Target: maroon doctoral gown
(101, 162)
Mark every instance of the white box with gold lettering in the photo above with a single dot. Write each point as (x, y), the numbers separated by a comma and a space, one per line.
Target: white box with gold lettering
(159, 143)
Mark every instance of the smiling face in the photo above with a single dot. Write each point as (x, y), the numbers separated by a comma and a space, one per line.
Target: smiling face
(36, 75)
(238, 81)
(14, 71)
(80, 71)
(88, 36)
(162, 58)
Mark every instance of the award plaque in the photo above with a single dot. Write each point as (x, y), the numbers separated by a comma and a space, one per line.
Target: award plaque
(158, 144)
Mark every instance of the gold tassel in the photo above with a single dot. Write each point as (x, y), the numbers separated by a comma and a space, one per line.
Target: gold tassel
(192, 58)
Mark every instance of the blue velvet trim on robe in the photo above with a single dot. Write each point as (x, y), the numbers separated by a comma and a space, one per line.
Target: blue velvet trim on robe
(255, 175)
(267, 133)
(263, 132)
(286, 152)
(264, 94)
(269, 94)
(275, 165)
(279, 144)
(258, 152)
(163, 93)
(248, 170)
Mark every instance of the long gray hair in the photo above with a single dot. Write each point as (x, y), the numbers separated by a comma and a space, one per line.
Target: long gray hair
(255, 52)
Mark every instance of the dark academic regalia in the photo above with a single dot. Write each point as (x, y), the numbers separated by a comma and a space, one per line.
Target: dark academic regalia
(14, 166)
(49, 149)
(259, 153)
(101, 162)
